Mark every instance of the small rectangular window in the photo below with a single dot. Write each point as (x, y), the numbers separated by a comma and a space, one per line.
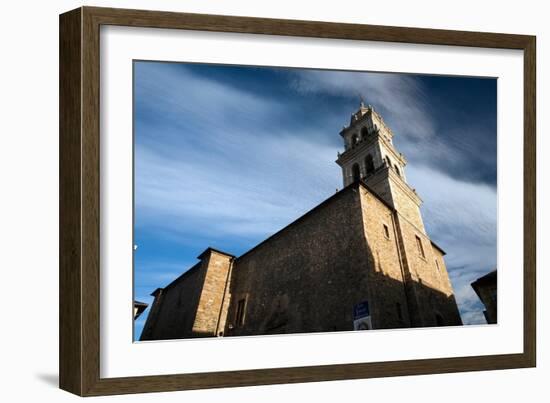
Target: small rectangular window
(386, 231)
(419, 246)
(437, 266)
(240, 313)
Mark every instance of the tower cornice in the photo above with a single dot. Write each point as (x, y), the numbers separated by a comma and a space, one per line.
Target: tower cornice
(364, 113)
(345, 129)
(353, 152)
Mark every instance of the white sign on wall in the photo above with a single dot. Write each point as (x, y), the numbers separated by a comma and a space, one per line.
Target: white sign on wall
(361, 316)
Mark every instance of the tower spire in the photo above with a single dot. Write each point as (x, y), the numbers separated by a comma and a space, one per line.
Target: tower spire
(370, 156)
(361, 101)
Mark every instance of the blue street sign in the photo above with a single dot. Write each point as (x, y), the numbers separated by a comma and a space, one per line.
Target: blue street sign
(361, 310)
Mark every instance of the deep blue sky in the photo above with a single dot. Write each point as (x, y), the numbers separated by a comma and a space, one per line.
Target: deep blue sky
(227, 155)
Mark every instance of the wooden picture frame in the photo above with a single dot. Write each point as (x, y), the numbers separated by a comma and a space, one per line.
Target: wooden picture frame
(79, 201)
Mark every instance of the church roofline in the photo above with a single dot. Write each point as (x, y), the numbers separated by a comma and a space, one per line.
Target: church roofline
(354, 185)
(438, 247)
(370, 190)
(195, 267)
(210, 249)
(182, 275)
(350, 187)
(157, 292)
(302, 217)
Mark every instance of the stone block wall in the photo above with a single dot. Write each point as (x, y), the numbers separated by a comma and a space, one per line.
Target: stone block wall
(307, 277)
(388, 301)
(209, 310)
(429, 288)
(173, 312)
(192, 305)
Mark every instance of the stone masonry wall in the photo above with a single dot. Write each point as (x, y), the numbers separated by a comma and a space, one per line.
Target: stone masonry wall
(307, 277)
(216, 266)
(404, 203)
(388, 302)
(429, 286)
(177, 308)
(191, 305)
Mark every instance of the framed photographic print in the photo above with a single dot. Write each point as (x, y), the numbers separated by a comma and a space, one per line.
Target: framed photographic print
(249, 201)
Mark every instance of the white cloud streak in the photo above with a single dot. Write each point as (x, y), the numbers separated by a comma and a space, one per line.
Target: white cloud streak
(254, 184)
(461, 218)
(398, 97)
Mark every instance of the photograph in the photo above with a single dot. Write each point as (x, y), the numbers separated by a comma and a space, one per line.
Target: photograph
(275, 200)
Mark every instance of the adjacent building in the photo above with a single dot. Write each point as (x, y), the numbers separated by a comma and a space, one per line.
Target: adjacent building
(359, 260)
(486, 289)
(139, 308)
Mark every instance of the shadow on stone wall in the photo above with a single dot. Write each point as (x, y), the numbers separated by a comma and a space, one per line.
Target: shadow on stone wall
(424, 306)
(432, 308)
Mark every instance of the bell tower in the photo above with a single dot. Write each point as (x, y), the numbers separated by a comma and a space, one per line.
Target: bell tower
(370, 156)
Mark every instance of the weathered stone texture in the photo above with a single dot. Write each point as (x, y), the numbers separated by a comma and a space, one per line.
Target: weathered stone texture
(191, 306)
(216, 265)
(307, 277)
(430, 292)
(406, 202)
(388, 303)
(173, 312)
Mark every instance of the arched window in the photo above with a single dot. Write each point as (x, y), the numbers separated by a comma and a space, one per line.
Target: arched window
(397, 170)
(354, 140)
(388, 161)
(369, 164)
(355, 172)
(364, 133)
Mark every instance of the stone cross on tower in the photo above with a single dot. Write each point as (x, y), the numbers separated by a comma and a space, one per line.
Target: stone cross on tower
(370, 156)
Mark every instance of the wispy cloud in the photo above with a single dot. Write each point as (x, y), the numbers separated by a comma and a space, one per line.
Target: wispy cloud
(399, 98)
(256, 175)
(461, 218)
(427, 131)
(254, 201)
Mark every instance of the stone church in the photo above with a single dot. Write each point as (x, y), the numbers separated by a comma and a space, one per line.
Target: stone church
(359, 260)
